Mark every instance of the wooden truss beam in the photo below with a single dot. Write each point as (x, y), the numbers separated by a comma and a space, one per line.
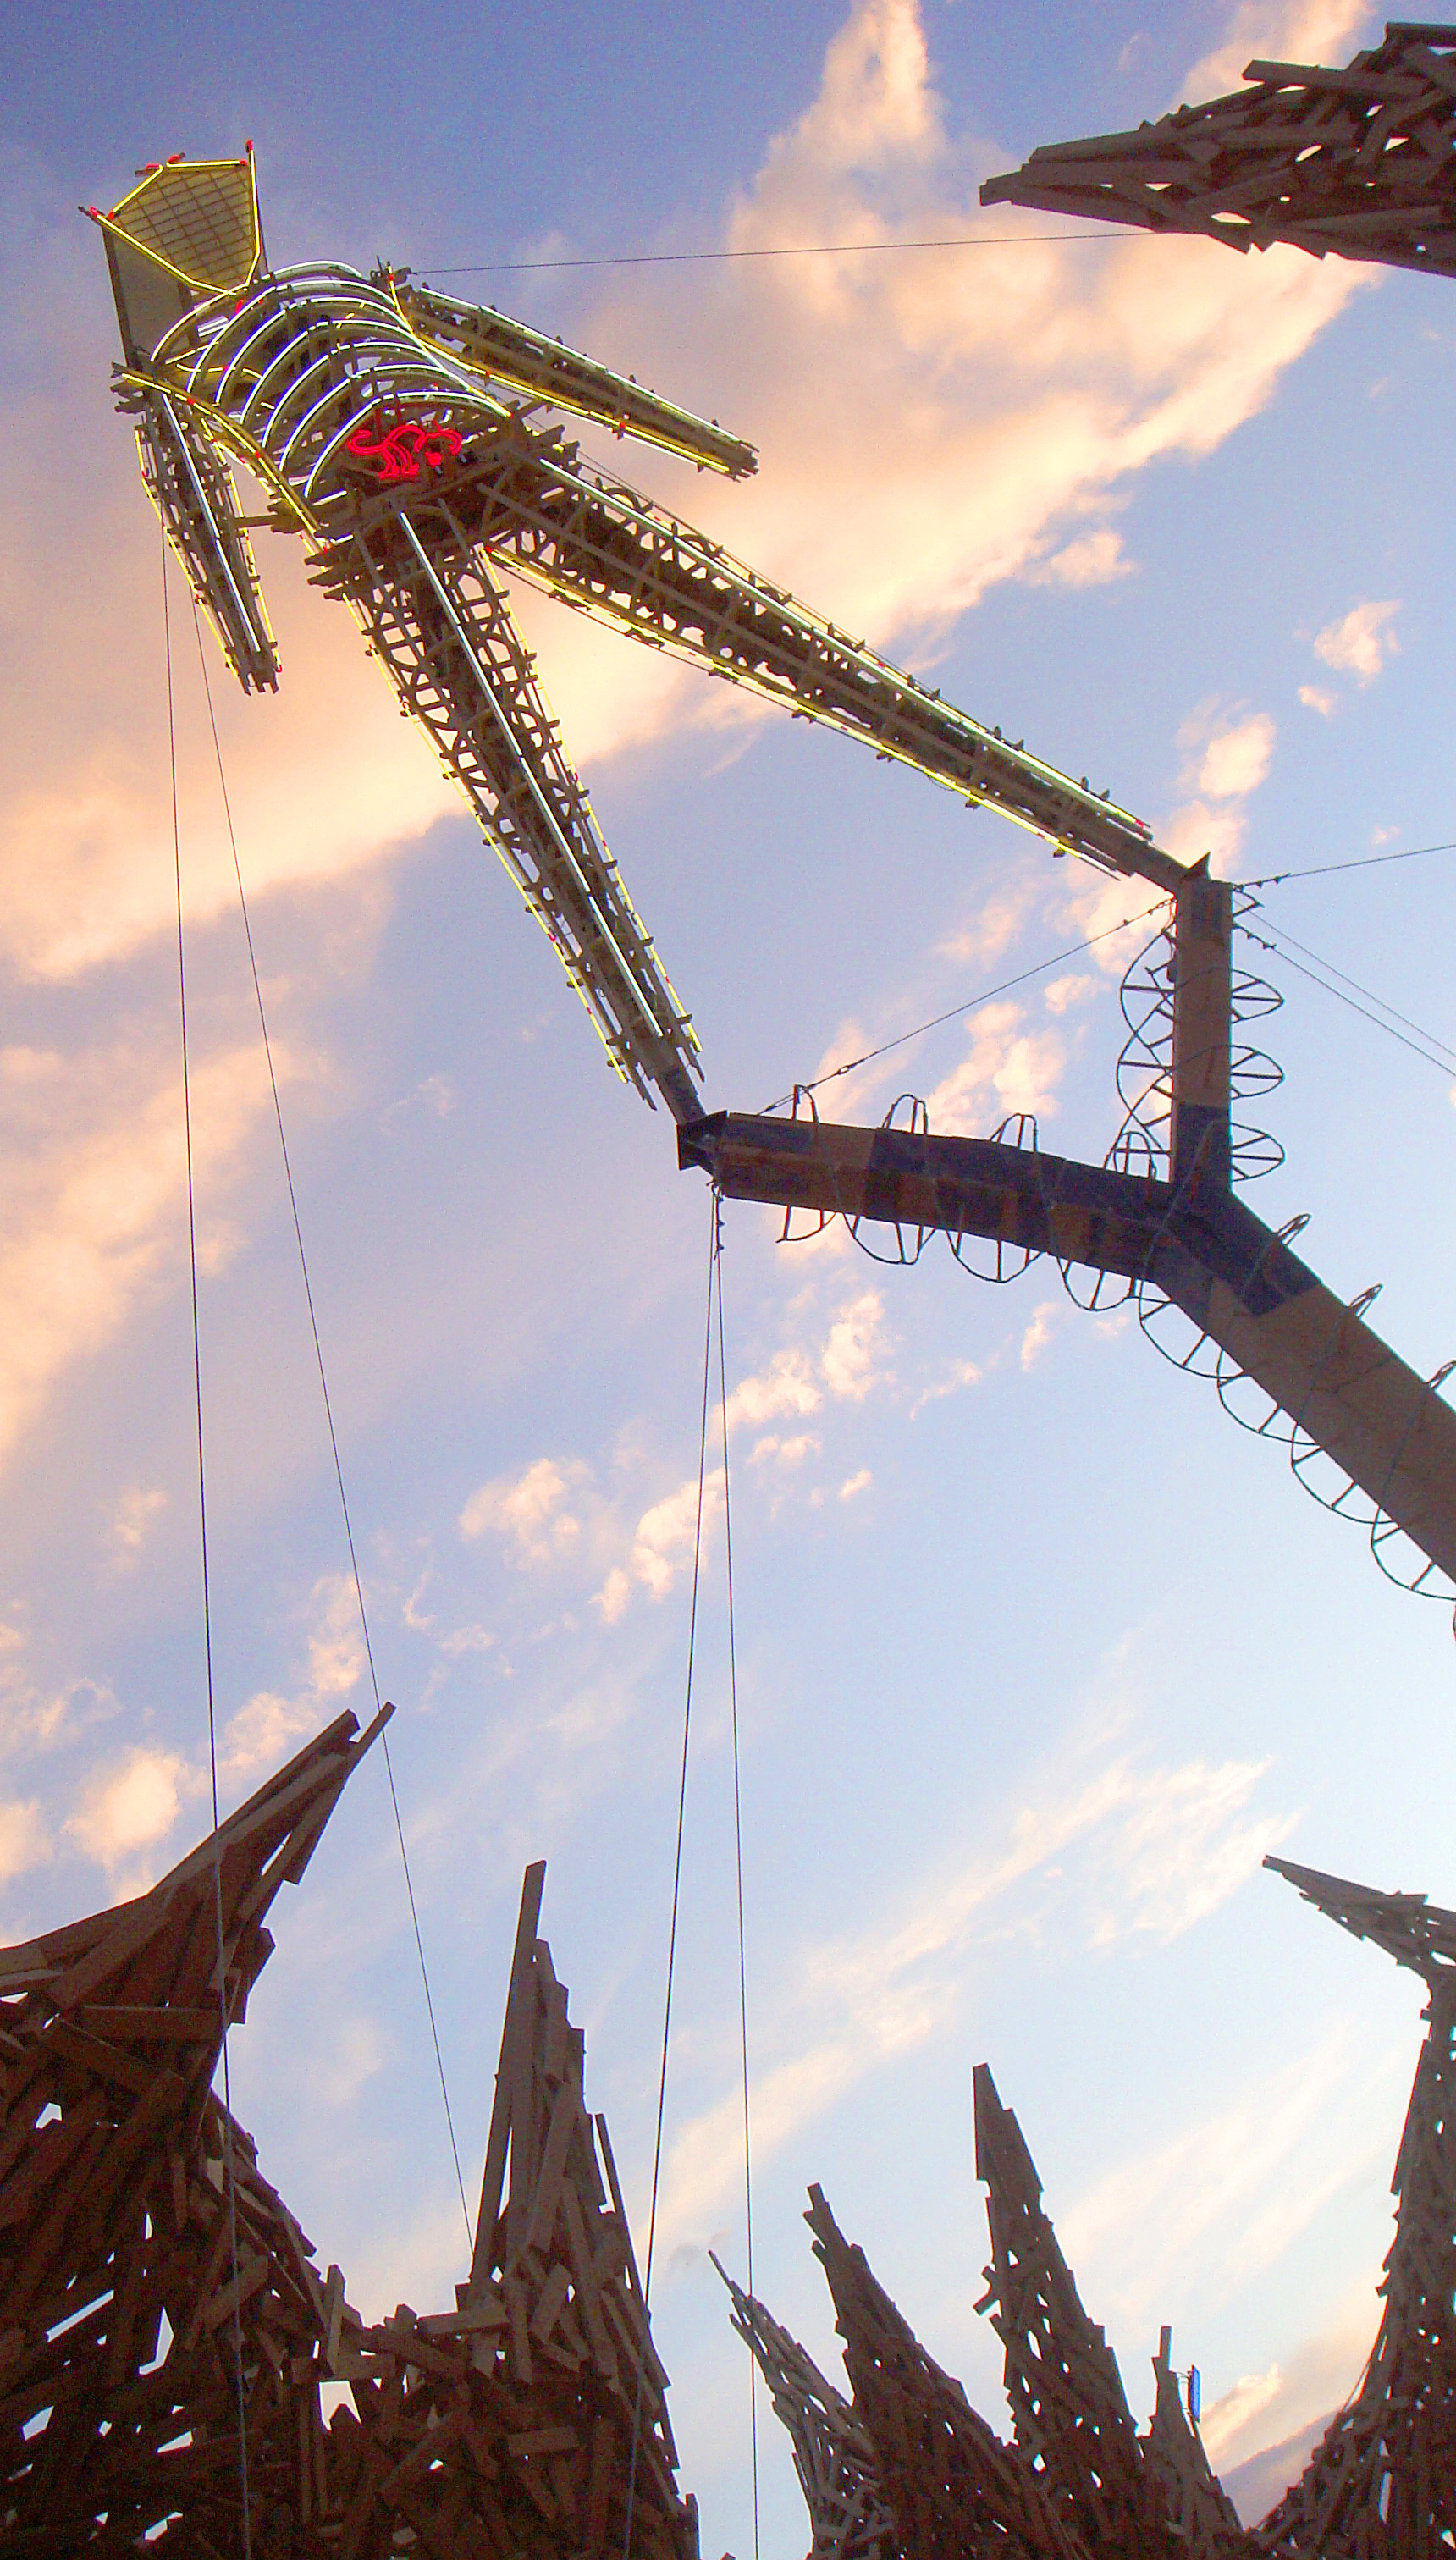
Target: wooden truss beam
(1234, 1278)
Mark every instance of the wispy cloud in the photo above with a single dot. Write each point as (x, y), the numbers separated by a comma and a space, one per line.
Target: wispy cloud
(1122, 1850)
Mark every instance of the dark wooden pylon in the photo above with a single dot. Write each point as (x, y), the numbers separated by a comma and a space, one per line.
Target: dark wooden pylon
(128, 2345)
(1381, 2484)
(1358, 163)
(834, 2457)
(956, 2491)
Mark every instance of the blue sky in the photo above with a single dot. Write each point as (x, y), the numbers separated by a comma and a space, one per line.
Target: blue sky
(1037, 1652)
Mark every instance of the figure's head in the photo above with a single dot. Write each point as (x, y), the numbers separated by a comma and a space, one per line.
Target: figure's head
(188, 230)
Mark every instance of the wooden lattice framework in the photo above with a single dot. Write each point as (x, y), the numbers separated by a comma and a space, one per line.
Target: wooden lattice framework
(1078, 2480)
(1355, 163)
(155, 2289)
(410, 440)
(1383, 2478)
(834, 2457)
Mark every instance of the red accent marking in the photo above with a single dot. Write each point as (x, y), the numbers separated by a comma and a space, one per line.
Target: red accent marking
(407, 449)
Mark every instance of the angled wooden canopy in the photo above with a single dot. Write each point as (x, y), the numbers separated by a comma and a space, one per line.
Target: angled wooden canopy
(1355, 163)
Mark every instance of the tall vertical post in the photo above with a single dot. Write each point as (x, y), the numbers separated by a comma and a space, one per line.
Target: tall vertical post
(1202, 1008)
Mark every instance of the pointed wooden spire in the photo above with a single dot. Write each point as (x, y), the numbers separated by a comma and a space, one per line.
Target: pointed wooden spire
(1204, 2521)
(833, 2455)
(955, 2491)
(1383, 2478)
(152, 2285)
(1068, 2404)
(553, 2294)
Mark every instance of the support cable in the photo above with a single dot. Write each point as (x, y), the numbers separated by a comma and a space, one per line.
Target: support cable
(230, 2169)
(969, 1003)
(727, 1523)
(1359, 862)
(1265, 942)
(1431, 1038)
(329, 1419)
(814, 249)
(671, 1941)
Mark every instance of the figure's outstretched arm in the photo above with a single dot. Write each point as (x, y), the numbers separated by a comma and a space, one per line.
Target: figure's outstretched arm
(504, 351)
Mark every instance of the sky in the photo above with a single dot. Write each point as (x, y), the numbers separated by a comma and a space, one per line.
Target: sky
(1038, 1653)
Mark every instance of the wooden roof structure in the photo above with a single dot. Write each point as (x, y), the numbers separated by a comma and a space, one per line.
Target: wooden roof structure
(1355, 163)
(1384, 2478)
(164, 2325)
(1078, 2481)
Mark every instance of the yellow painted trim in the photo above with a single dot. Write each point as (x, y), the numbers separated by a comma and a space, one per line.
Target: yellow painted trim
(195, 283)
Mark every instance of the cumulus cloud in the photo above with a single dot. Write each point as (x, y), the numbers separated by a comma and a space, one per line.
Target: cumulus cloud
(663, 1545)
(1093, 560)
(787, 1386)
(1232, 756)
(271, 1724)
(95, 1167)
(1359, 643)
(529, 1511)
(1291, 31)
(853, 1358)
(1006, 1068)
(25, 1841)
(928, 426)
(129, 1808)
(131, 1525)
(1039, 1331)
(1060, 994)
(1318, 698)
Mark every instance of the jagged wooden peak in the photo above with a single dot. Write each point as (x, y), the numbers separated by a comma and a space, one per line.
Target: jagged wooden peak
(1203, 2519)
(1383, 2479)
(146, 1971)
(553, 2260)
(1356, 162)
(127, 2192)
(953, 2488)
(1067, 2403)
(1406, 1926)
(832, 2454)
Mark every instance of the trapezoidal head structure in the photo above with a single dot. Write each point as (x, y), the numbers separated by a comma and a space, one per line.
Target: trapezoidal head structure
(409, 438)
(1355, 163)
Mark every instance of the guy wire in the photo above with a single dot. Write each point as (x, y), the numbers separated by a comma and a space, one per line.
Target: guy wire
(329, 1419)
(229, 2176)
(727, 1525)
(672, 1942)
